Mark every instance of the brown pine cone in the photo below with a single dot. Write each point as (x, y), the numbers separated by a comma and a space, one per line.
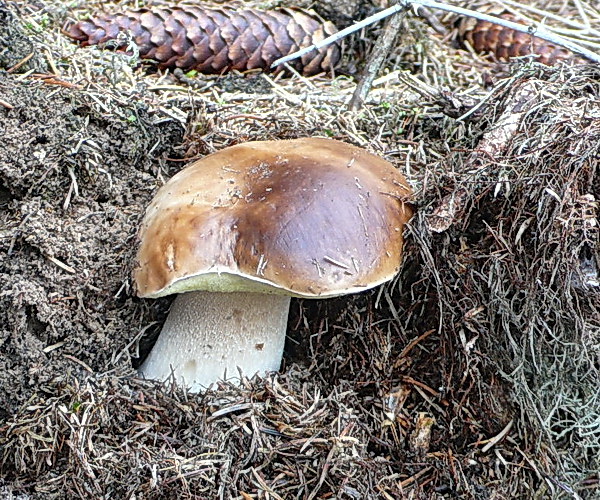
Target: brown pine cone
(215, 40)
(505, 43)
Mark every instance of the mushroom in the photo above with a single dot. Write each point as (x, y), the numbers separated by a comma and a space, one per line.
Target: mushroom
(239, 232)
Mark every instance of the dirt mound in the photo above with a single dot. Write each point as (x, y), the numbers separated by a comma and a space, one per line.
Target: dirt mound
(73, 183)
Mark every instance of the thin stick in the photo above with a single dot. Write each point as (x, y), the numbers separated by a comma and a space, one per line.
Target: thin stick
(340, 34)
(497, 438)
(538, 31)
(573, 27)
(381, 50)
(544, 13)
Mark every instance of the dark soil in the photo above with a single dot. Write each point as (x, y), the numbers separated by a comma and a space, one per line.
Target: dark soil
(73, 185)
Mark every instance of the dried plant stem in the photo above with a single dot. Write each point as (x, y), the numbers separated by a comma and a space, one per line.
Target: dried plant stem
(537, 31)
(380, 51)
(586, 27)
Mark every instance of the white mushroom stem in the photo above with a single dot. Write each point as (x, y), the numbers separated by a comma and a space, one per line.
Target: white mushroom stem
(209, 335)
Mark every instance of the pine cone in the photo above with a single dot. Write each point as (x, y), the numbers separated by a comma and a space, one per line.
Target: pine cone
(215, 40)
(504, 43)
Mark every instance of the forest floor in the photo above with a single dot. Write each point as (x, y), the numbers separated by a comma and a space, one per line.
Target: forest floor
(474, 374)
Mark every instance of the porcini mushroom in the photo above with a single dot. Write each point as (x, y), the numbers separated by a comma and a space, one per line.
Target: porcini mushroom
(239, 232)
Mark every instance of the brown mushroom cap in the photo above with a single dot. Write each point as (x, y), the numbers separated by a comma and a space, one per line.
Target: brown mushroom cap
(306, 217)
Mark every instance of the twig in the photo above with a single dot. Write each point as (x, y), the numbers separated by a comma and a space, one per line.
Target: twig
(79, 362)
(7, 105)
(415, 342)
(380, 52)
(60, 264)
(586, 27)
(416, 476)
(20, 63)
(497, 438)
(341, 34)
(537, 31)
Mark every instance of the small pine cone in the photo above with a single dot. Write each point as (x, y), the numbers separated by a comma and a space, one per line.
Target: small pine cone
(505, 43)
(215, 40)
